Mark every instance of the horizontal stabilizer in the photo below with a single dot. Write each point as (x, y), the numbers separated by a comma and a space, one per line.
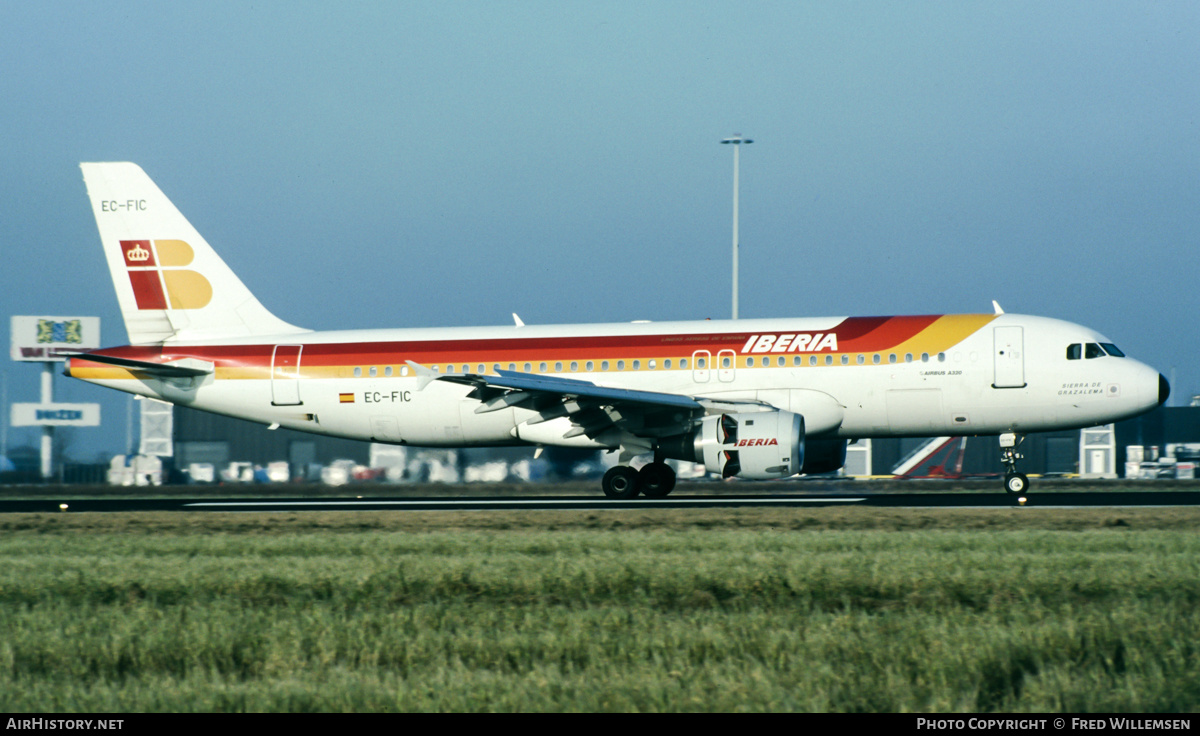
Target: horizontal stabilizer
(183, 368)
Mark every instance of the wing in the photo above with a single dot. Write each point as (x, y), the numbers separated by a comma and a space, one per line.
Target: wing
(628, 418)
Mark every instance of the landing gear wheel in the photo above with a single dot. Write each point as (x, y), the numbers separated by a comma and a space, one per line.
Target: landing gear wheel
(1016, 483)
(656, 480)
(621, 481)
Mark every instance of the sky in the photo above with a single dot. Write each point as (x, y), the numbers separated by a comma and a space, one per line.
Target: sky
(412, 164)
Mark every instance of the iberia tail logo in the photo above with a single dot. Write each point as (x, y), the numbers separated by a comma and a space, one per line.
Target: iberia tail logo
(158, 279)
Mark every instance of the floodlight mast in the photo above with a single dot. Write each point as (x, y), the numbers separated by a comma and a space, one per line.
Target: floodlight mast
(737, 141)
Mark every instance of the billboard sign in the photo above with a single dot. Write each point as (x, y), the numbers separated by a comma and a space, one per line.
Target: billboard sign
(55, 415)
(44, 339)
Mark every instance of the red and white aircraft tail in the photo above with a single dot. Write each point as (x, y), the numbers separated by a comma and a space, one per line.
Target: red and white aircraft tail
(171, 285)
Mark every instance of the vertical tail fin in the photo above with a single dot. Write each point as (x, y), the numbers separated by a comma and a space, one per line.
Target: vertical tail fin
(171, 285)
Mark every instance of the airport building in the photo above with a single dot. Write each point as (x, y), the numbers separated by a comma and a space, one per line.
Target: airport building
(1153, 440)
(205, 440)
(1164, 443)
(211, 439)
(200, 437)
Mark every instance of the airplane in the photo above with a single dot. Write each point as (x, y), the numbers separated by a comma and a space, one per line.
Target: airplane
(749, 399)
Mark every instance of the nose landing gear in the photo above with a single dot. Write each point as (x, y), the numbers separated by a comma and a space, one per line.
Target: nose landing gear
(1014, 482)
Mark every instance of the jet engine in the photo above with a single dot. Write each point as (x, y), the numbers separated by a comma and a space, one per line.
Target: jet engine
(753, 445)
(756, 445)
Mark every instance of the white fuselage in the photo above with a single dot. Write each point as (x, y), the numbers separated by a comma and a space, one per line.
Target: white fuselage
(941, 375)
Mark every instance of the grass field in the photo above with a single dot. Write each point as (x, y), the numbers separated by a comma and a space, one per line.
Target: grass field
(695, 610)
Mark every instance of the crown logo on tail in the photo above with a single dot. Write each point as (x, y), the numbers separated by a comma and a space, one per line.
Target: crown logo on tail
(137, 254)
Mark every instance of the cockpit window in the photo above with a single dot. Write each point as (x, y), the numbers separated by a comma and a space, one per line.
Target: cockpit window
(1075, 351)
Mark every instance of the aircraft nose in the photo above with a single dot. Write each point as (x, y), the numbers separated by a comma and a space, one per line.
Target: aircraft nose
(1164, 389)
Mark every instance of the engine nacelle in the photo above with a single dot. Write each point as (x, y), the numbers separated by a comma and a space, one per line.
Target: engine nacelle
(755, 445)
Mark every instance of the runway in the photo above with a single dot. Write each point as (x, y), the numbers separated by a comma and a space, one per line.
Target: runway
(995, 499)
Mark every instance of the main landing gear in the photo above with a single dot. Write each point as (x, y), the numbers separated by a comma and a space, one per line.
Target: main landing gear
(654, 480)
(1015, 483)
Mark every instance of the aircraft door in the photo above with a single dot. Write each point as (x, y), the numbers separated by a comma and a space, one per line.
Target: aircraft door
(1009, 356)
(285, 375)
(701, 364)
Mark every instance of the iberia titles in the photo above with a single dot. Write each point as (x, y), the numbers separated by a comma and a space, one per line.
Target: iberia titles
(798, 343)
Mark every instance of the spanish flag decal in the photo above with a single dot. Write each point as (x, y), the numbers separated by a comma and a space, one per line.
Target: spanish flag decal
(346, 398)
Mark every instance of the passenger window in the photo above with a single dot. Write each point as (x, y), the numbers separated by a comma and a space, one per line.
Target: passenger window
(1092, 350)
(387, 371)
(683, 363)
(590, 365)
(637, 365)
(667, 364)
(558, 367)
(749, 362)
(574, 365)
(700, 363)
(620, 365)
(845, 359)
(357, 371)
(1074, 351)
(604, 365)
(724, 362)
